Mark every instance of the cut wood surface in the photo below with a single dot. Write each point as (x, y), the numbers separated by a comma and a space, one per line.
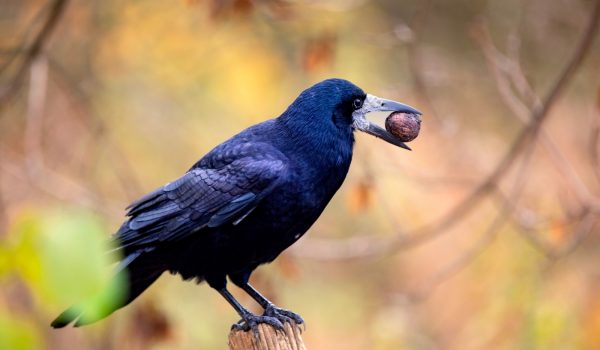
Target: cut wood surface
(267, 338)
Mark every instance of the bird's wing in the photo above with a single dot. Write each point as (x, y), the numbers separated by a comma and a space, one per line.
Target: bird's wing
(219, 191)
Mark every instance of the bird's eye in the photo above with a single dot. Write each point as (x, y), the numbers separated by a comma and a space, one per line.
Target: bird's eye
(357, 103)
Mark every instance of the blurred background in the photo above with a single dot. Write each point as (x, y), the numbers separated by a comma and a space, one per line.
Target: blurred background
(485, 236)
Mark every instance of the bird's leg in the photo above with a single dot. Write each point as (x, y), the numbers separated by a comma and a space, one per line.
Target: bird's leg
(270, 309)
(249, 320)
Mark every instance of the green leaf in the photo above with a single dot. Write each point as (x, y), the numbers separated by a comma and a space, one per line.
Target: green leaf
(62, 256)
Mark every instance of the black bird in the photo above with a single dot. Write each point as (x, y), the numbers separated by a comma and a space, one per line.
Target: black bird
(246, 201)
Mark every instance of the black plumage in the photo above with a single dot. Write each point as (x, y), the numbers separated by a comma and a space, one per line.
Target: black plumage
(245, 201)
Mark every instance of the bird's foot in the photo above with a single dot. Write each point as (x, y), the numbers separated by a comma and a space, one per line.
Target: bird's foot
(283, 315)
(251, 322)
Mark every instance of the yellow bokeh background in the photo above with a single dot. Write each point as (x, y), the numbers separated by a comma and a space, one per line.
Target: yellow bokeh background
(126, 96)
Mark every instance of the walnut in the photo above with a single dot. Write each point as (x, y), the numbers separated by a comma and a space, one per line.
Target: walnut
(404, 126)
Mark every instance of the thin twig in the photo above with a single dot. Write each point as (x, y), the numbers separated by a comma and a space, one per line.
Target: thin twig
(35, 113)
(488, 237)
(585, 227)
(500, 64)
(79, 98)
(594, 141)
(55, 12)
(551, 251)
(414, 52)
(3, 208)
(60, 187)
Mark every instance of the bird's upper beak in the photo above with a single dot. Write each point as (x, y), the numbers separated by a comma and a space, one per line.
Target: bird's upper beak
(376, 104)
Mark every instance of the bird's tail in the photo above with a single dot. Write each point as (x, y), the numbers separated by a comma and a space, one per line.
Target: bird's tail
(137, 272)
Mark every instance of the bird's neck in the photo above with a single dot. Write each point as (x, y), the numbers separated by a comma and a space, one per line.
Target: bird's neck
(324, 147)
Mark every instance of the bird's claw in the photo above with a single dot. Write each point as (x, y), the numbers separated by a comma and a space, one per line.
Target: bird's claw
(251, 322)
(283, 315)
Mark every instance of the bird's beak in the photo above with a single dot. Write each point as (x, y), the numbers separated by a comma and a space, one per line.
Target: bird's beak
(376, 104)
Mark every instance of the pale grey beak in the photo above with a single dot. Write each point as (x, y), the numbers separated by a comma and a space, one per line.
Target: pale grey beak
(376, 104)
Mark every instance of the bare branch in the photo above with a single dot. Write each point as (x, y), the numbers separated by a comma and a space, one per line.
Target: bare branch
(35, 112)
(503, 67)
(34, 50)
(60, 187)
(79, 99)
(417, 26)
(594, 142)
(505, 211)
(34, 169)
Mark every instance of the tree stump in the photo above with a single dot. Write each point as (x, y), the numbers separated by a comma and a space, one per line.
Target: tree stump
(267, 338)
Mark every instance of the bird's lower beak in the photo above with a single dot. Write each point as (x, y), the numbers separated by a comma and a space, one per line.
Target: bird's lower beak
(376, 104)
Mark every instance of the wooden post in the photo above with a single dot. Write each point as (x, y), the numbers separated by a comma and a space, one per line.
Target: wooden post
(268, 338)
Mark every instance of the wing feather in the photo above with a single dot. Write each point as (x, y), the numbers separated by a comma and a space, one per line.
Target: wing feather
(217, 191)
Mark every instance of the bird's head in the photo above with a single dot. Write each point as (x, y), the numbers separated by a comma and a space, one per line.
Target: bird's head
(339, 104)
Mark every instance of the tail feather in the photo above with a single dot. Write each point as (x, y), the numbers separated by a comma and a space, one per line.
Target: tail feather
(137, 271)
